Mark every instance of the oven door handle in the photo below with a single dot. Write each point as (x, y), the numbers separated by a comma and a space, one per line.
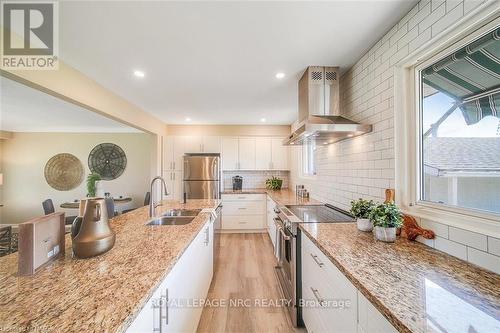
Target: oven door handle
(285, 237)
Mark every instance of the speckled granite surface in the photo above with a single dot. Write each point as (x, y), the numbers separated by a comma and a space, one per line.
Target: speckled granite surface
(100, 294)
(281, 197)
(417, 288)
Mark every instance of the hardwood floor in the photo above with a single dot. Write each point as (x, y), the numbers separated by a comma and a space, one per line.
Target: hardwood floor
(245, 271)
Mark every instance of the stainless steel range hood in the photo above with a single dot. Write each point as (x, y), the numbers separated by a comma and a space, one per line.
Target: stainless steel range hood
(319, 110)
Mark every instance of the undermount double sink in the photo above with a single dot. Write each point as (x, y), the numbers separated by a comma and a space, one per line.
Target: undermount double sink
(175, 217)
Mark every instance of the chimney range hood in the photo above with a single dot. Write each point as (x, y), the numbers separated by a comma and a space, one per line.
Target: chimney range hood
(319, 110)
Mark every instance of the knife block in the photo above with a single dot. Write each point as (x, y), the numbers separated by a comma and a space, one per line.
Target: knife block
(41, 240)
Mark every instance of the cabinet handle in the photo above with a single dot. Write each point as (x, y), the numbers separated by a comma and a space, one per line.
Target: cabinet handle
(173, 163)
(315, 258)
(173, 174)
(316, 294)
(241, 208)
(166, 307)
(157, 306)
(207, 236)
(242, 222)
(285, 237)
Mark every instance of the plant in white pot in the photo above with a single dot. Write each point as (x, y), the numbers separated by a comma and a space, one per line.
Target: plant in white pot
(361, 210)
(386, 217)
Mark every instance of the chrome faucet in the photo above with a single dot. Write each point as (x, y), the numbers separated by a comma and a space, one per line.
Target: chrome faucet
(152, 203)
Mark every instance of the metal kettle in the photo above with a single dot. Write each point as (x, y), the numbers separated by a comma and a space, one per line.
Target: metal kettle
(94, 236)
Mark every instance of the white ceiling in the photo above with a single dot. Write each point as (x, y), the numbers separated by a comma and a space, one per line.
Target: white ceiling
(215, 62)
(24, 109)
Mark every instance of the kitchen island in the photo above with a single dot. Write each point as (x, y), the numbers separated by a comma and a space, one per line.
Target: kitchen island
(104, 293)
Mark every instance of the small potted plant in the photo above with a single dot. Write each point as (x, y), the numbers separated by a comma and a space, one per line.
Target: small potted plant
(386, 218)
(92, 184)
(274, 183)
(361, 210)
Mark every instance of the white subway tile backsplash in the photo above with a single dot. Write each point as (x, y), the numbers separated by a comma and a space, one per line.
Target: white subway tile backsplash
(455, 249)
(428, 242)
(423, 12)
(438, 228)
(447, 20)
(254, 179)
(468, 238)
(484, 259)
(432, 18)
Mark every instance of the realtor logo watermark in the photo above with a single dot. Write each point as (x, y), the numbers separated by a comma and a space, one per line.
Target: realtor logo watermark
(30, 35)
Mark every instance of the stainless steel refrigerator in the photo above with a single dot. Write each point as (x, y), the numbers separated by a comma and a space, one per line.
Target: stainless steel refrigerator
(202, 176)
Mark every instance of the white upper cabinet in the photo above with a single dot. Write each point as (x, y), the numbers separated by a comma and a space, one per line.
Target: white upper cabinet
(211, 144)
(229, 153)
(173, 151)
(279, 154)
(238, 153)
(246, 153)
(199, 144)
(263, 157)
(192, 144)
(168, 153)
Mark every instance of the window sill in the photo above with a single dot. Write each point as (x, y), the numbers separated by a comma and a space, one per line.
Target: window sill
(485, 226)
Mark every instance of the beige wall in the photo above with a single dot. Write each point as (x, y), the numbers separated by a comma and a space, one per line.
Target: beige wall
(229, 130)
(25, 155)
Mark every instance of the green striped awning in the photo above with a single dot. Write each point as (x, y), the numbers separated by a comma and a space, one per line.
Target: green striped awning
(471, 76)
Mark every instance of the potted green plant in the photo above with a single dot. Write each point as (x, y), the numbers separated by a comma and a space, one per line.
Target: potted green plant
(386, 218)
(92, 180)
(361, 210)
(274, 183)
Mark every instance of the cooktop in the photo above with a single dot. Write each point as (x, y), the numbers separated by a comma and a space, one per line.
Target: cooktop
(320, 213)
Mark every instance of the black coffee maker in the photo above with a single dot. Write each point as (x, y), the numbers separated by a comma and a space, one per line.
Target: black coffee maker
(237, 183)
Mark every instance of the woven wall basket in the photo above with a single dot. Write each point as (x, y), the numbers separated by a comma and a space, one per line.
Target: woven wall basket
(64, 172)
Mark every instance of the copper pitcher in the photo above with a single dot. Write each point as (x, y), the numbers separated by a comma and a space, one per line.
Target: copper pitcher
(94, 236)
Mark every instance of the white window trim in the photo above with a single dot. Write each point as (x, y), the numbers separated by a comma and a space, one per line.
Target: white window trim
(302, 174)
(406, 121)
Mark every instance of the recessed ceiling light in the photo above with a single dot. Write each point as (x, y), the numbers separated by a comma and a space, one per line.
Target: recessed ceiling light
(280, 75)
(263, 120)
(139, 73)
(188, 119)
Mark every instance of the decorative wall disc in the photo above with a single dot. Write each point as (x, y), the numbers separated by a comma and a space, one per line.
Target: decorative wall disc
(108, 160)
(64, 172)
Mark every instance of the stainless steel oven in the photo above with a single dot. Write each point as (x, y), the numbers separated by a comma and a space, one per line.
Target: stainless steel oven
(286, 267)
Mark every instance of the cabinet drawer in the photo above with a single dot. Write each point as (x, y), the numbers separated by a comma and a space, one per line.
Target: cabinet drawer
(243, 208)
(324, 281)
(242, 221)
(243, 197)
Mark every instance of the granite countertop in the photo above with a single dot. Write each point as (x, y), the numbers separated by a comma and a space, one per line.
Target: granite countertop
(100, 294)
(417, 288)
(281, 197)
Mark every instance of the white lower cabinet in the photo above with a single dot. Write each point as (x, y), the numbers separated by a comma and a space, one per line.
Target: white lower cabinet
(244, 212)
(175, 304)
(331, 303)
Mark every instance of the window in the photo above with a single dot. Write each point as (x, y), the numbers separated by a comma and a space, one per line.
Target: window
(459, 138)
(308, 158)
